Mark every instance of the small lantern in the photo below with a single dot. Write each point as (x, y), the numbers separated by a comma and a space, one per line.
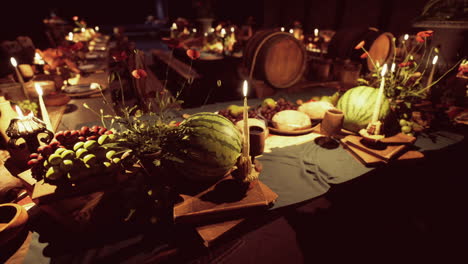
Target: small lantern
(29, 128)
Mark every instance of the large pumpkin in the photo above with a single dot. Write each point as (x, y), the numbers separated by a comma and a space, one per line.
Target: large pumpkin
(214, 144)
(358, 106)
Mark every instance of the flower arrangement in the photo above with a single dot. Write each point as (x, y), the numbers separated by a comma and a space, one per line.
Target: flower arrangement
(410, 77)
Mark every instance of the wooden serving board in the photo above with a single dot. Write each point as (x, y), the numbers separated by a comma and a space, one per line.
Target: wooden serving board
(222, 202)
(386, 153)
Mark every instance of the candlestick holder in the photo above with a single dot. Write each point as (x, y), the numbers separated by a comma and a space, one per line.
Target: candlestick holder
(29, 129)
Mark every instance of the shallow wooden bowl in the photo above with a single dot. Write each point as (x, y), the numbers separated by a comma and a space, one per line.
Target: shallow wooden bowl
(13, 218)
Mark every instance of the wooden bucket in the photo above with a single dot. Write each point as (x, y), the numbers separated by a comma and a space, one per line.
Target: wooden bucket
(280, 59)
(377, 43)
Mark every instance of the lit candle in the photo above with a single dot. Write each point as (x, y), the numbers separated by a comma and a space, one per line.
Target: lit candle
(70, 36)
(406, 37)
(20, 78)
(45, 114)
(212, 30)
(316, 31)
(392, 69)
(83, 30)
(246, 148)
(291, 31)
(96, 28)
(431, 75)
(194, 30)
(282, 29)
(232, 29)
(378, 103)
(223, 32)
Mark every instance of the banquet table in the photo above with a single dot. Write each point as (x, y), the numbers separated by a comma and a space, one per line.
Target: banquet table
(301, 227)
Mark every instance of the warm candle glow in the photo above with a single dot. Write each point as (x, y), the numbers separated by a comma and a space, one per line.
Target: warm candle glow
(38, 89)
(18, 110)
(406, 37)
(223, 32)
(212, 30)
(291, 31)
(434, 60)
(13, 62)
(384, 70)
(392, 69)
(174, 26)
(70, 36)
(245, 88)
(83, 30)
(96, 28)
(194, 30)
(205, 34)
(282, 29)
(232, 29)
(316, 31)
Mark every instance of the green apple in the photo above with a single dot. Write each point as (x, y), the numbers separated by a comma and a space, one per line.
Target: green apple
(269, 102)
(78, 145)
(90, 159)
(66, 165)
(54, 173)
(67, 154)
(55, 159)
(80, 153)
(91, 144)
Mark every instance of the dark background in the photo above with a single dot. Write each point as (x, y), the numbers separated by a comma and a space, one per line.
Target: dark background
(25, 17)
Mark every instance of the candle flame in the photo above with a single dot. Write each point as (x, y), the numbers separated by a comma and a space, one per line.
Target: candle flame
(245, 88)
(13, 62)
(38, 89)
(393, 67)
(316, 31)
(223, 32)
(18, 110)
(406, 37)
(384, 70)
(291, 31)
(282, 29)
(194, 30)
(434, 60)
(174, 26)
(83, 30)
(232, 29)
(212, 30)
(96, 28)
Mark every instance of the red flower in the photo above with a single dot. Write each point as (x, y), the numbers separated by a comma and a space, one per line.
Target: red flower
(364, 55)
(193, 54)
(120, 56)
(77, 46)
(422, 35)
(139, 73)
(75, 18)
(360, 45)
(425, 34)
(405, 64)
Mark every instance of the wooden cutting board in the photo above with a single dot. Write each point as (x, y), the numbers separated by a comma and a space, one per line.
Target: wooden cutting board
(384, 152)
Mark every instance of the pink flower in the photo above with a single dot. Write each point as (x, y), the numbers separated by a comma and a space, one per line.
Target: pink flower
(405, 64)
(139, 73)
(193, 54)
(364, 55)
(360, 45)
(422, 35)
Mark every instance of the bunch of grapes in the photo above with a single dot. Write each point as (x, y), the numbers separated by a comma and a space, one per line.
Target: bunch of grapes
(281, 104)
(26, 105)
(77, 154)
(236, 118)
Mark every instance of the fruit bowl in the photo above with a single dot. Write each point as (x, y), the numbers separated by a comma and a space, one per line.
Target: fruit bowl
(13, 218)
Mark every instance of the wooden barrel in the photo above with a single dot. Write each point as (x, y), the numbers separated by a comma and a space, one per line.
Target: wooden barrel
(378, 44)
(281, 59)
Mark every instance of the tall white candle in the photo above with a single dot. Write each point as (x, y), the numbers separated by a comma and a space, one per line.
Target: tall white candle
(316, 31)
(378, 103)
(246, 148)
(20, 77)
(431, 75)
(45, 114)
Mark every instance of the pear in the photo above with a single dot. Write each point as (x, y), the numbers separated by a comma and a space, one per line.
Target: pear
(235, 110)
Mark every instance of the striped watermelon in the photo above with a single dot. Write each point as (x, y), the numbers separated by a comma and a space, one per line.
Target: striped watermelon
(214, 144)
(358, 105)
